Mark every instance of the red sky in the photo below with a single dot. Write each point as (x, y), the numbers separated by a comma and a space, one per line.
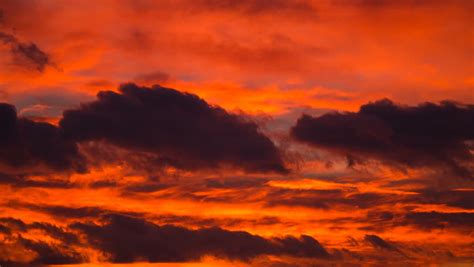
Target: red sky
(197, 150)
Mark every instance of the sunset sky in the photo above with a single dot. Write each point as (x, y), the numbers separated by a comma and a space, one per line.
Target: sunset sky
(268, 133)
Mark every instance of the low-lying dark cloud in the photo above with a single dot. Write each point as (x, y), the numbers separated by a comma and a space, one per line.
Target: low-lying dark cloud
(26, 54)
(27, 144)
(431, 135)
(178, 126)
(128, 239)
(125, 239)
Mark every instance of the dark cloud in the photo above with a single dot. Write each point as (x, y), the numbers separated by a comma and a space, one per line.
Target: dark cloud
(455, 198)
(65, 212)
(378, 242)
(428, 135)
(58, 233)
(50, 254)
(329, 199)
(26, 54)
(59, 252)
(61, 211)
(319, 199)
(146, 187)
(25, 143)
(178, 126)
(128, 239)
(147, 164)
(440, 220)
(13, 224)
(25, 181)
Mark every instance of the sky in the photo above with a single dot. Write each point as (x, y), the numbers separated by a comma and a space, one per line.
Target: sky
(236, 133)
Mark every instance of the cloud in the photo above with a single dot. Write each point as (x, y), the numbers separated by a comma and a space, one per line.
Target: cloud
(58, 211)
(438, 136)
(441, 220)
(28, 144)
(23, 180)
(378, 242)
(330, 198)
(128, 239)
(27, 54)
(65, 212)
(48, 254)
(174, 125)
(453, 198)
(58, 252)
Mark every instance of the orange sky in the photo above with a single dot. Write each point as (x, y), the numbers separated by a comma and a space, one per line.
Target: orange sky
(267, 63)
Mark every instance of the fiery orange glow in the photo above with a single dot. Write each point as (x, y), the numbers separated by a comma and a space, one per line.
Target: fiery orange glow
(236, 133)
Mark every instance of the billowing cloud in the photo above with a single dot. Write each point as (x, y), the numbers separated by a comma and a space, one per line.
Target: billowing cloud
(28, 144)
(434, 135)
(179, 126)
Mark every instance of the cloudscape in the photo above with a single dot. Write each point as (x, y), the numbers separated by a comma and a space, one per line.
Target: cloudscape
(236, 133)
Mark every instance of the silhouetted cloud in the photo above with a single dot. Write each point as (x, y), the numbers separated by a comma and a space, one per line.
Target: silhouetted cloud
(128, 239)
(455, 198)
(442, 220)
(434, 135)
(328, 199)
(378, 242)
(26, 53)
(46, 253)
(178, 126)
(61, 211)
(49, 254)
(28, 144)
(66, 212)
